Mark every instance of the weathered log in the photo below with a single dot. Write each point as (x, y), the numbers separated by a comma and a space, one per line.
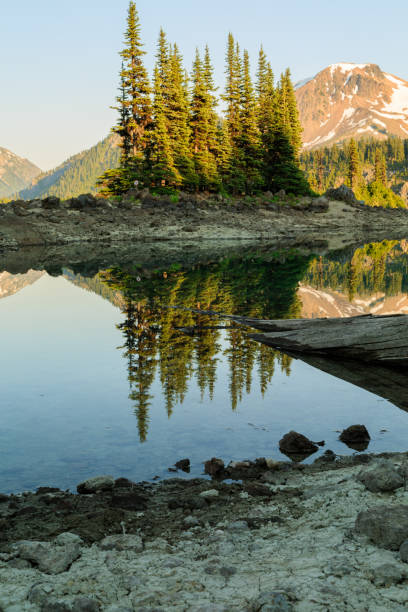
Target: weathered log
(381, 339)
(371, 338)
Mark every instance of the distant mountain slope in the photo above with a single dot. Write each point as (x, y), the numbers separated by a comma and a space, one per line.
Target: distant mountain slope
(15, 173)
(78, 174)
(352, 100)
(328, 303)
(13, 283)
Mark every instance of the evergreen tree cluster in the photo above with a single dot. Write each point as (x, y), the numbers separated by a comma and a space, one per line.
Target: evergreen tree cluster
(375, 170)
(172, 136)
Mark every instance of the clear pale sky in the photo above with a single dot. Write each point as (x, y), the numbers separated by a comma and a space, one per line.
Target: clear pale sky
(59, 60)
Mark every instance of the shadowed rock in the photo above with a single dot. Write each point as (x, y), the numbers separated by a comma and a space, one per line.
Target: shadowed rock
(296, 446)
(356, 437)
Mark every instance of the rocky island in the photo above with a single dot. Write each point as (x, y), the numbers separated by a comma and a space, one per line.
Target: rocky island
(335, 220)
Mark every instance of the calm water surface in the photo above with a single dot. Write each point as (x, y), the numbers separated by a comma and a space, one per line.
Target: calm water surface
(97, 376)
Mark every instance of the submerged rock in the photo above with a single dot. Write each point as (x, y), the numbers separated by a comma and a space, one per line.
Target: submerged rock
(386, 526)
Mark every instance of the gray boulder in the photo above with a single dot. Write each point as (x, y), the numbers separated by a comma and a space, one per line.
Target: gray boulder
(85, 604)
(383, 477)
(386, 574)
(96, 484)
(50, 558)
(386, 526)
(343, 194)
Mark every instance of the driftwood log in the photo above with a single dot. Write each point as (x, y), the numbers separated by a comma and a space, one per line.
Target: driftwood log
(370, 338)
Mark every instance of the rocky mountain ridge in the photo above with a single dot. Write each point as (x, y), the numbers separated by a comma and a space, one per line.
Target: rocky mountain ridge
(348, 100)
(15, 172)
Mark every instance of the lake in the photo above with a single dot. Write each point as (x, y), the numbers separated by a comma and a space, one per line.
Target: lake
(109, 372)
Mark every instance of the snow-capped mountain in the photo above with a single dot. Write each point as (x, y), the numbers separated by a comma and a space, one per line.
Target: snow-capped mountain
(352, 100)
(15, 172)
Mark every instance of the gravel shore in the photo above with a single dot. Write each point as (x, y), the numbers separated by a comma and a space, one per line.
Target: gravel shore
(326, 536)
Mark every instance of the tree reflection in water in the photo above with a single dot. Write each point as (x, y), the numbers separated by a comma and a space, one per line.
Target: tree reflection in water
(155, 308)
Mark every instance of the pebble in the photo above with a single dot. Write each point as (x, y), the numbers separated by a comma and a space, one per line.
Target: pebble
(122, 542)
(238, 526)
(209, 494)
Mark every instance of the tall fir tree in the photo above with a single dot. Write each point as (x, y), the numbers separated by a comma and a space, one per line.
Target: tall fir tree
(178, 117)
(163, 173)
(135, 112)
(265, 95)
(249, 140)
(202, 137)
(135, 81)
(380, 167)
(232, 96)
(354, 166)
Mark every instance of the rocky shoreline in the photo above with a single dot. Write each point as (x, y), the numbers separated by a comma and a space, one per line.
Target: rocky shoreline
(142, 217)
(276, 536)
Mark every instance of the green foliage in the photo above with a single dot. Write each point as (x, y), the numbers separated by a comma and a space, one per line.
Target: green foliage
(378, 169)
(179, 141)
(377, 194)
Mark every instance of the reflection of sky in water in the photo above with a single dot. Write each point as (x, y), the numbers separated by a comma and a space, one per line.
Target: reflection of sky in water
(66, 415)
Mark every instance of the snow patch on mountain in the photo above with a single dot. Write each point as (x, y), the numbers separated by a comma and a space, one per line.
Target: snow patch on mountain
(348, 100)
(346, 66)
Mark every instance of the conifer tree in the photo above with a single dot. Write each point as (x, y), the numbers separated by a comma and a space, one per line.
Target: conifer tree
(287, 112)
(135, 81)
(163, 171)
(380, 168)
(249, 139)
(353, 165)
(265, 95)
(201, 128)
(212, 102)
(282, 171)
(178, 118)
(134, 108)
(232, 96)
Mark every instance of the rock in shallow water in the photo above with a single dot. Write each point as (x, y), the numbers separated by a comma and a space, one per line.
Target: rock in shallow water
(296, 446)
(356, 437)
(386, 526)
